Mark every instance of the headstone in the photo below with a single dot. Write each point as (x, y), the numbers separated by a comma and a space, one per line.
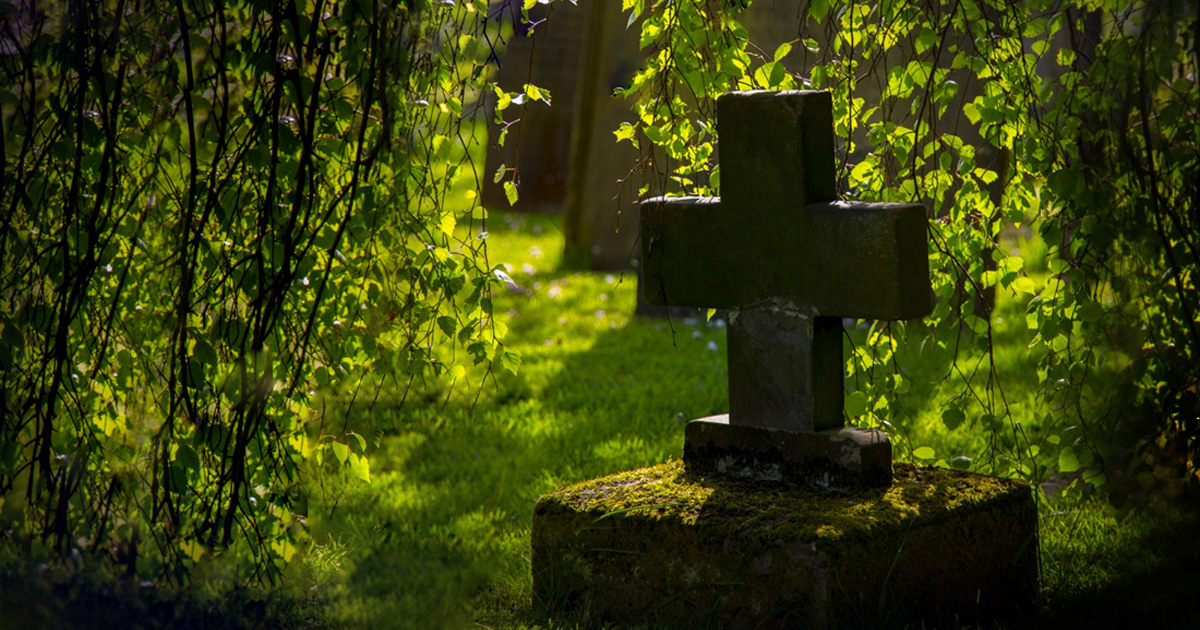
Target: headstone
(600, 209)
(788, 261)
(779, 516)
(546, 51)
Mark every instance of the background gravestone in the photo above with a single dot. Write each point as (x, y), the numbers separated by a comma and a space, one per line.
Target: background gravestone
(566, 154)
(548, 56)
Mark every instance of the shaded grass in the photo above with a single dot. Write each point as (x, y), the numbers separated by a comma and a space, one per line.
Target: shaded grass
(441, 536)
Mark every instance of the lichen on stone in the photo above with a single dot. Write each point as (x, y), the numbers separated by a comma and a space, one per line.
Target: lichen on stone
(725, 506)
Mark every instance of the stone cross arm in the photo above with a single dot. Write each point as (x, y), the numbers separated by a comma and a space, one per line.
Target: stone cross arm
(834, 259)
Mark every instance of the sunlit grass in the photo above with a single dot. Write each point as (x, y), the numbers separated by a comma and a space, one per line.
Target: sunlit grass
(441, 534)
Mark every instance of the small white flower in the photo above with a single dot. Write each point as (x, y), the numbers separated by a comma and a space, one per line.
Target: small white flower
(535, 251)
(696, 334)
(528, 269)
(712, 345)
(562, 321)
(603, 297)
(108, 268)
(555, 291)
(600, 314)
(304, 281)
(337, 322)
(610, 279)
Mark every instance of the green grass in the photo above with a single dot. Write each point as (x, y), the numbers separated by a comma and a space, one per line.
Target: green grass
(456, 472)
(440, 536)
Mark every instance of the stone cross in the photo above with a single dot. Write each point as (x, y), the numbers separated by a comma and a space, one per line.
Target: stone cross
(788, 260)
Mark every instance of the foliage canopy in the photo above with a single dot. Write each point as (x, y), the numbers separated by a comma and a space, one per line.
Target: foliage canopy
(210, 211)
(1074, 120)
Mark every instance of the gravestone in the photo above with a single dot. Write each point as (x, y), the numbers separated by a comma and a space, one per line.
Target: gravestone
(544, 50)
(788, 261)
(779, 515)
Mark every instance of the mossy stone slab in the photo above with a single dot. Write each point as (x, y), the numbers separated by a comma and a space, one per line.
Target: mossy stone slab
(662, 546)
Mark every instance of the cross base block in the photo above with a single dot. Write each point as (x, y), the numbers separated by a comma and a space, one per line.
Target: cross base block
(663, 546)
(846, 457)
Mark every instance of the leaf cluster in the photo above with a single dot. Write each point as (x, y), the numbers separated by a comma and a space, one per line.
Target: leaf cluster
(1064, 123)
(215, 215)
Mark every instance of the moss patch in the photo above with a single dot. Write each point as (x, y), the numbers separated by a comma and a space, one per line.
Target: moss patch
(668, 491)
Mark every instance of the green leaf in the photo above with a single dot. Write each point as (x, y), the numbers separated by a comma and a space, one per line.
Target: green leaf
(448, 325)
(509, 361)
(510, 191)
(856, 404)
(953, 418)
(360, 467)
(782, 51)
(447, 223)
(1025, 284)
(924, 452)
(340, 451)
(186, 457)
(1067, 461)
(818, 9)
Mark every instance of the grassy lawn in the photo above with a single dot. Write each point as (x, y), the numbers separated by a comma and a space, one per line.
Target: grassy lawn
(440, 536)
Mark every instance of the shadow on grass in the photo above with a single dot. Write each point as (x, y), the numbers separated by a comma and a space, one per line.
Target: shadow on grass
(447, 515)
(1148, 575)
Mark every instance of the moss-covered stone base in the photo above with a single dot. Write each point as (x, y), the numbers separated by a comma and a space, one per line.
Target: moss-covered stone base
(661, 546)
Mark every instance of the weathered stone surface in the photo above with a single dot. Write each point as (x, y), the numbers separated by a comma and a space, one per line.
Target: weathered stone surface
(866, 261)
(776, 231)
(845, 457)
(666, 546)
(785, 368)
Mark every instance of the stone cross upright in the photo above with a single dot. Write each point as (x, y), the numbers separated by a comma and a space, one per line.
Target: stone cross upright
(788, 261)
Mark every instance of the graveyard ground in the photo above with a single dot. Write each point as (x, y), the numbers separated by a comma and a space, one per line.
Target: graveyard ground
(440, 537)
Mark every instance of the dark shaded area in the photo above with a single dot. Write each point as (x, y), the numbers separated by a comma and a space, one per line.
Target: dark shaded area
(1159, 578)
(41, 597)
